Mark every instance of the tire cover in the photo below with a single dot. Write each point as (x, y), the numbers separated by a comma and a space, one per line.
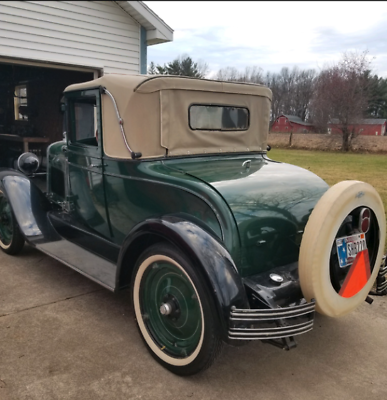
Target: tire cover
(320, 232)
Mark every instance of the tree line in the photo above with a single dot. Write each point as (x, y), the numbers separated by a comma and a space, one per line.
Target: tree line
(344, 92)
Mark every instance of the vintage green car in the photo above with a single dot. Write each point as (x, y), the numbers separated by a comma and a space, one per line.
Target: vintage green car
(163, 184)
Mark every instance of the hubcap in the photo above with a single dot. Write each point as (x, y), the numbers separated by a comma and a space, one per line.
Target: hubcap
(173, 312)
(166, 309)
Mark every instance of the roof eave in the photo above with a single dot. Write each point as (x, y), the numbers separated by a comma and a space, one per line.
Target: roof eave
(157, 31)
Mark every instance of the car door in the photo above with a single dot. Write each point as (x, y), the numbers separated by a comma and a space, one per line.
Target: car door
(85, 163)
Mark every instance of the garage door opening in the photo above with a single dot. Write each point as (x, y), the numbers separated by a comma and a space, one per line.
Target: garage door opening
(30, 114)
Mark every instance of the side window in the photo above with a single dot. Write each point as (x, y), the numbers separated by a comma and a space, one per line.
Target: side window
(84, 118)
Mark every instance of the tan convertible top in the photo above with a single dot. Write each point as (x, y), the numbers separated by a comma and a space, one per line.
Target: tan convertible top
(155, 114)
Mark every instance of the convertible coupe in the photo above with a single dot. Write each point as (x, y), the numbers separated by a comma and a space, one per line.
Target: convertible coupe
(163, 184)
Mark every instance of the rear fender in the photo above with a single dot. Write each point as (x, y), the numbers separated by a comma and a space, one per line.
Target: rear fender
(30, 207)
(206, 253)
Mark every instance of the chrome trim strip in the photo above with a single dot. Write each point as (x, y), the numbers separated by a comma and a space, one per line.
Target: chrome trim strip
(273, 330)
(271, 317)
(382, 286)
(290, 312)
(270, 310)
(251, 337)
(383, 271)
(246, 323)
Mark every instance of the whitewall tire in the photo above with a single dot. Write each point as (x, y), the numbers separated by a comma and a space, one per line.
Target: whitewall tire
(174, 312)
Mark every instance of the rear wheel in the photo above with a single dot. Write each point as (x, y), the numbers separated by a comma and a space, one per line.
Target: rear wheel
(11, 238)
(174, 312)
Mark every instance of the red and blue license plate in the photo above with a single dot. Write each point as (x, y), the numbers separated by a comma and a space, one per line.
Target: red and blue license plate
(348, 247)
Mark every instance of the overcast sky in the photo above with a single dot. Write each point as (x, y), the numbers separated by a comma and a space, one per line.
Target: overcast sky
(272, 35)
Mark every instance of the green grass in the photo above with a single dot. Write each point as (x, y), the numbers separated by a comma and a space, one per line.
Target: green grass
(334, 167)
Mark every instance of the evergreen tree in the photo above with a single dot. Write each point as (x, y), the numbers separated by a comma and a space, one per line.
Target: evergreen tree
(377, 105)
(183, 66)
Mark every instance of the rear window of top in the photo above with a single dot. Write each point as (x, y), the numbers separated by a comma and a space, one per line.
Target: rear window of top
(218, 118)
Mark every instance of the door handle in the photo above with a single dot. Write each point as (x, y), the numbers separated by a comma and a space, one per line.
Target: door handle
(95, 165)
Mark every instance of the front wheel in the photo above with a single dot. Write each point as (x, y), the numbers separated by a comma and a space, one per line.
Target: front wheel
(174, 312)
(11, 238)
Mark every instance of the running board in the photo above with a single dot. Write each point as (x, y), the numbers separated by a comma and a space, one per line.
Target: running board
(88, 264)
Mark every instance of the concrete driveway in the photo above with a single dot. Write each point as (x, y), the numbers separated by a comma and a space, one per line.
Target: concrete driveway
(64, 337)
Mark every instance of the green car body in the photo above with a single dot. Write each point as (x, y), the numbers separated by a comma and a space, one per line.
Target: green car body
(203, 226)
(259, 222)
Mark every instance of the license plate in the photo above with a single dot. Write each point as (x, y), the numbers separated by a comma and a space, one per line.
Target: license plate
(348, 247)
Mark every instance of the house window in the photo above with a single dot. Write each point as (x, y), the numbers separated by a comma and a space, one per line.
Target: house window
(20, 103)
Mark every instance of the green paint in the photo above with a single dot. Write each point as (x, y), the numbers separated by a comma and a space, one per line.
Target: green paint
(180, 331)
(6, 230)
(271, 203)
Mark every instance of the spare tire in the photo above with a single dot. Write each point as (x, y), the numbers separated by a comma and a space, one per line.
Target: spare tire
(341, 214)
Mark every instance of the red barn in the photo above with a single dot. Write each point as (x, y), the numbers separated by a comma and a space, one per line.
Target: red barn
(370, 126)
(291, 123)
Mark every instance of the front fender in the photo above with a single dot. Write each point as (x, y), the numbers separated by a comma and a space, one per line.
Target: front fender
(29, 205)
(205, 252)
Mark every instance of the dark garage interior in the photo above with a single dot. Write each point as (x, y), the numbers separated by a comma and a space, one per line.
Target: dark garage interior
(30, 114)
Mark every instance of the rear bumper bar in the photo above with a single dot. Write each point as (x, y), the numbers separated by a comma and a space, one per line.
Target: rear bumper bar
(381, 279)
(269, 324)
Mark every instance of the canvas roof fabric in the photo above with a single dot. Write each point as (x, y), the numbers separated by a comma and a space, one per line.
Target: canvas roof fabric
(155, 111)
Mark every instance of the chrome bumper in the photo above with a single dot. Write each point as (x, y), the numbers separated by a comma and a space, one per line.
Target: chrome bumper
(269, 324)
(381, 279)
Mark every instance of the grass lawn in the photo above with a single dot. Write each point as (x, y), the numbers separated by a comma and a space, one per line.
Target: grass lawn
(337, 166)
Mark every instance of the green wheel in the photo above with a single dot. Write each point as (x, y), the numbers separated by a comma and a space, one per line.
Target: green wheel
(174, 312)
(11, 239)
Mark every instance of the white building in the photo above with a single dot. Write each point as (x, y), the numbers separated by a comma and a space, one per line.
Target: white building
(47, 45)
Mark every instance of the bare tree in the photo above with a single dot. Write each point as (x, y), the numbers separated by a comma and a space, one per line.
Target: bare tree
(249, 75)
(341, 95)
(292, 91)
(272, 80)
(304, 86)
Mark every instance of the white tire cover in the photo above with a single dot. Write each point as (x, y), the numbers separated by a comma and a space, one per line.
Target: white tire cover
(319, 236)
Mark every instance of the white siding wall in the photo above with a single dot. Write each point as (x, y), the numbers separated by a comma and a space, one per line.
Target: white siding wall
(94, 34)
